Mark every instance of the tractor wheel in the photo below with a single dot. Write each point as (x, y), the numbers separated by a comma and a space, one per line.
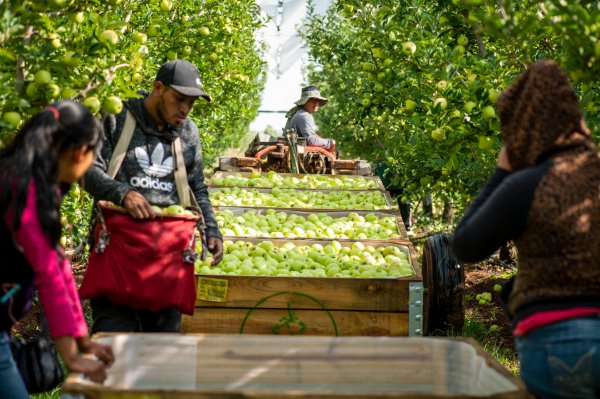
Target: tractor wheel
(444, 280)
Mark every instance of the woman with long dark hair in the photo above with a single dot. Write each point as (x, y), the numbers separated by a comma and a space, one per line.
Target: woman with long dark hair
(52, 150)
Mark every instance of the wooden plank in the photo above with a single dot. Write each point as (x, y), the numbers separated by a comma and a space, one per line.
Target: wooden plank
(315, 322)
(260, 367)
(365, 294)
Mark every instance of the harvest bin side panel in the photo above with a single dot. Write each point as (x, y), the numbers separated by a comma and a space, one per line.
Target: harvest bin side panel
(364, 294)
(296, 322)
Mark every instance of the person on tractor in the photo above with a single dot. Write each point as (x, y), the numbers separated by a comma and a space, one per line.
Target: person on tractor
(300, 118)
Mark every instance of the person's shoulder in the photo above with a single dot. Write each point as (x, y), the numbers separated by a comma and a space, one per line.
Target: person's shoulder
(526, 178)
(189, 131)
(303, 115)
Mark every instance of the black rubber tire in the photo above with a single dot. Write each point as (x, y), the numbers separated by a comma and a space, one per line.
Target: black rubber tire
(444, 280)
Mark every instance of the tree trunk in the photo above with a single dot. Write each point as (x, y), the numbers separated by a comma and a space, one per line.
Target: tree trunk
(448, 212)
(428, 205)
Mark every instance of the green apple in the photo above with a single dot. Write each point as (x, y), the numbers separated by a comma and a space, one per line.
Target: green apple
(462, 40)
(166, 5)
(410, 106)
(109, 36)
(68, 92)
(469, 106)
(112, 105)
(56, 43)
(174, 210)
(459, 49)
(409, 48)
(92, 103)
(71, 59)
(213, 56)
(497, 288)
(171, 55)
(368, 67)
(32, 90)
(12, 118)
(485, 142)
(488, 112)
(53, 90)
(139, 37)
(438, 134)
(154, 30)
(42, 77)
(440, 102)
(493, 95)
(441, 85)
(204, 31)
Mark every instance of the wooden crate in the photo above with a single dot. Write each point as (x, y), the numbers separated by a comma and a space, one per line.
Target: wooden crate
(222, 174)
(171, 366)
(310, 305)
(238, 211)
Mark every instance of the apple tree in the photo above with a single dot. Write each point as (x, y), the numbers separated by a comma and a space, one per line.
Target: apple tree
(104, 52)
(414, 84)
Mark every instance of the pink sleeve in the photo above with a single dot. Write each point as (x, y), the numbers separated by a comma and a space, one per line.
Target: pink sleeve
(53, 279)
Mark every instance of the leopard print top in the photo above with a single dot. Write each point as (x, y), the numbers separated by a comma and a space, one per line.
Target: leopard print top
(559, 251)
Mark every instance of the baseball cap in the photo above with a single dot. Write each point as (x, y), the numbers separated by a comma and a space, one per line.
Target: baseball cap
(182, 76)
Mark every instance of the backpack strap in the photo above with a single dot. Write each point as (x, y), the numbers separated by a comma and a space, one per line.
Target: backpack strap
(118, 155)
(181, 181)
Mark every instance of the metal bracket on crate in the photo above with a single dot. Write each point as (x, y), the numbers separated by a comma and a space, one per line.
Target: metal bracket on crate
(415, 309)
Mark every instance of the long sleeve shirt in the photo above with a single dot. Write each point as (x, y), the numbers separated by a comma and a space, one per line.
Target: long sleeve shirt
(53, 277)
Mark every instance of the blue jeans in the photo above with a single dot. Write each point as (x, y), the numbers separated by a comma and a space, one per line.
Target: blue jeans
(562, 360)
(11, 384)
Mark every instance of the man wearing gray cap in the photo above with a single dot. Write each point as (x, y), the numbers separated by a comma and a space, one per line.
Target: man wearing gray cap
(156, 124)
(301, 120)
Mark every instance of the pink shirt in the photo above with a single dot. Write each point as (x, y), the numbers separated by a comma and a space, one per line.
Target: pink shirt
(53, 278)
(544, 318)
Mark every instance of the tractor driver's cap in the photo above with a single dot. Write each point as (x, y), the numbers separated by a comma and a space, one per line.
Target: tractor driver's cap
(309, 92)
(182, 76)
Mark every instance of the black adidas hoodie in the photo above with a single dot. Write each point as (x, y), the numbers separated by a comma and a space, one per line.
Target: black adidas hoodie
(148, 164)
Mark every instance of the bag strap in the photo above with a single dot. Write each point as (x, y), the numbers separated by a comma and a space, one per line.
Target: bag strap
(181, 181)
(118, 155)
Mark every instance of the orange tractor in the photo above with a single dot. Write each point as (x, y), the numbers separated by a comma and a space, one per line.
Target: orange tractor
(290, 154)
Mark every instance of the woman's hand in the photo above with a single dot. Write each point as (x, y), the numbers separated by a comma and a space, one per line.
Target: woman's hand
(102, 352)
(95, 370)
(503, 162)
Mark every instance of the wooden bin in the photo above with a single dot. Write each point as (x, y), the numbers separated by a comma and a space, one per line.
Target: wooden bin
(310, 305)
(238, 211)
(222, 174)
(171, 366)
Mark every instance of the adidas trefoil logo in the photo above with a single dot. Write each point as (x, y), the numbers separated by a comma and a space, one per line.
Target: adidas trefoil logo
(155, 165)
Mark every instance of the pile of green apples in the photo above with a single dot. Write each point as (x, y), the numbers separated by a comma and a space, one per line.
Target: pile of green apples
(176, 210)
(244, 258)
(290, 198)
(273, 179)
(172, 210)
(277, 224)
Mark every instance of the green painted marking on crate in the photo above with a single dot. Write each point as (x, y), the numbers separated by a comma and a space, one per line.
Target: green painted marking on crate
(291, 317)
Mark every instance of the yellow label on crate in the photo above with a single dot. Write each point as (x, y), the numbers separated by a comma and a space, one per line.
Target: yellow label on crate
(212, 289)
